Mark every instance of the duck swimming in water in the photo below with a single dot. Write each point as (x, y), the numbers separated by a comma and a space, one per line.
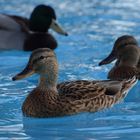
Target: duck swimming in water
(127, 53)
(20, 33)
(50, 99)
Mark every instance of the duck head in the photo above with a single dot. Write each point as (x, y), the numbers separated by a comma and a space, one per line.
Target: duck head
(120, 44)
(43, 62)
(42, 18)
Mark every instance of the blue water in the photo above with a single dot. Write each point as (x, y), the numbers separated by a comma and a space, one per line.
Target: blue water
(93, 26)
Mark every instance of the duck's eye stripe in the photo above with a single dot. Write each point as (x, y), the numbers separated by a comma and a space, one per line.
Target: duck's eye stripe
(131, 43)
(35, 61)
(41, 57)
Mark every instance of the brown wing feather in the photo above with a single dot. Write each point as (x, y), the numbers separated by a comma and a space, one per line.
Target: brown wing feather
(80, 89)
(72, 86)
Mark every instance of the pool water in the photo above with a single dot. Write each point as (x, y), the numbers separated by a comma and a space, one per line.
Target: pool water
(93, 26)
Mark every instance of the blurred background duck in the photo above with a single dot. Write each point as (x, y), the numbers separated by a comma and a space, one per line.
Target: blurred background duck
(50, 99)
(28, 34)
(126, 52)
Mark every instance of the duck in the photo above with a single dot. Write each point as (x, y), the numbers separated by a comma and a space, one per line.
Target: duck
(52, 99)
(126, 52)
(21, 33)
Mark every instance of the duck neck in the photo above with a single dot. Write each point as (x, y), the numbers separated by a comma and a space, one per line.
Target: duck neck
(47, 82)
(40, 27)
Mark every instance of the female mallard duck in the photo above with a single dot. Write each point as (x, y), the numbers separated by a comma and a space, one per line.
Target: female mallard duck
(49, 99)
(28, 34)
(127, 53)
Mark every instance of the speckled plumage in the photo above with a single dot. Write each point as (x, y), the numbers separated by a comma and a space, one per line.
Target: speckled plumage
(50, 99)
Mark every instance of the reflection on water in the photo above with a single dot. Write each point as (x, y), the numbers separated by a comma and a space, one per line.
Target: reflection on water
(93, 27)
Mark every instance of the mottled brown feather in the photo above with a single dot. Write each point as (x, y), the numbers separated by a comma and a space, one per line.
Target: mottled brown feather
(72, 99)
(67, 98)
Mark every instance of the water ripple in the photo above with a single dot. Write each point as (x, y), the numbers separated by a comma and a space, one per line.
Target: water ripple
(93, 26)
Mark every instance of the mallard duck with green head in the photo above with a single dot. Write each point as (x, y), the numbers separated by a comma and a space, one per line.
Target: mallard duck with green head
(20, 33)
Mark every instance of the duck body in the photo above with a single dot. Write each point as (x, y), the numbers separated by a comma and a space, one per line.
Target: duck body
(50, 99)
(126, 52)
(20, 33)
(72, 99)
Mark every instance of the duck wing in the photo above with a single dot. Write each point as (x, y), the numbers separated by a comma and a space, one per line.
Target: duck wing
(92, 89)
(22, 21)
(12, 33)
(8, 23)
(78, 90)
(72, 86)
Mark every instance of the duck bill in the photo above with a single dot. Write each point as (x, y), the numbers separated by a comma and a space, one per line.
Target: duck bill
(108, 59)
(28, 71)
(57, 28)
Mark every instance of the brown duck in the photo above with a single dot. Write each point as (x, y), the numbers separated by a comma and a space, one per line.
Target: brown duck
(49, 99)
(127, 54)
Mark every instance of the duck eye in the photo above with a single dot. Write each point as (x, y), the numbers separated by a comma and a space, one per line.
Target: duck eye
(41, 57)
(36, 60)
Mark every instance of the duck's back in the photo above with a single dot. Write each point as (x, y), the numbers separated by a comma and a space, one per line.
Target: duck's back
(11, 36)
(7, 23)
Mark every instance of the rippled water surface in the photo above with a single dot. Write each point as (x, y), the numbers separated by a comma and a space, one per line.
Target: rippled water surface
(93, 26)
